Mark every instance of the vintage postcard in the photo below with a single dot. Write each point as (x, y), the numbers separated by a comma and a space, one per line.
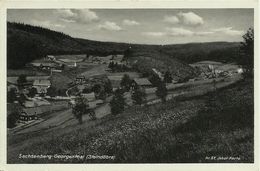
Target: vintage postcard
(121, 83)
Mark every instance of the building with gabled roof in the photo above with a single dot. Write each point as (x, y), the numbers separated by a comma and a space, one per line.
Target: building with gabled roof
(41, 85)
(142, 82)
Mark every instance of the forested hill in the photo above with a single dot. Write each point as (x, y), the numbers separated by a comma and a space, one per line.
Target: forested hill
(194, 52)
(27, 42)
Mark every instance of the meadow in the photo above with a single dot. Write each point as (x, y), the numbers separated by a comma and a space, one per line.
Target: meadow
(185, 130)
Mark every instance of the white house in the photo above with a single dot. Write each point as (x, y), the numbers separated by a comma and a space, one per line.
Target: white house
(41, 85)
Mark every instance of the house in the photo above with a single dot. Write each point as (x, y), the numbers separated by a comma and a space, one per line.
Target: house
(80, 79)
(41, 85)
(142, 82)
(29, 114)
(51, 57)
(240, 70)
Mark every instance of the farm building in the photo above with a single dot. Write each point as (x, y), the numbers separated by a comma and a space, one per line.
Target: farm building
(41, 85)
(142, 82)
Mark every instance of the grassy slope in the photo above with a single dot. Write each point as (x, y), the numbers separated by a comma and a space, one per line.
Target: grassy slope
(186, 131)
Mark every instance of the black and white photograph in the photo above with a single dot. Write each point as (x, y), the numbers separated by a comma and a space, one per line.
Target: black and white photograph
(130, 85)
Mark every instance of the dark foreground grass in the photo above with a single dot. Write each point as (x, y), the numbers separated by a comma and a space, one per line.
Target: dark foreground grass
(213, 128)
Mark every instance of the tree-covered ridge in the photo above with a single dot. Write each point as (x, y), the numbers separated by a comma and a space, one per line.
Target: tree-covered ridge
(26, 43)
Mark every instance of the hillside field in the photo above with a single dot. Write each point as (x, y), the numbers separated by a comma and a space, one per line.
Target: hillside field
(218, 124)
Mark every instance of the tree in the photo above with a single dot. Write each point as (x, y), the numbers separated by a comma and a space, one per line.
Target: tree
(51, 91)
(12, 119)
(21, 79)
(80, 108)
(167, 77)
(96, 88)
(126, 82)
(155, 80)
(32, 92)
(138, 96)
(22, 98)
(11, 95)
(118, 102)
(86, 90)
(108, 87)
(62, 67)
(102, 94)
(246, 59)
(161, 91)
(127, 53)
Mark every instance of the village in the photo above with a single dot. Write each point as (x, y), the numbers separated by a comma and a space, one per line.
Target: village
(34, 96)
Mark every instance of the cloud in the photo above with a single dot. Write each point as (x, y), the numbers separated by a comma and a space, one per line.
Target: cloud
(46, 24)
(130, 22)
(229, 31)
(204, 33)
(80, 15)
(65, 13)
(111, 26)
(68, 20)
(154, 34)
(178, 31)
(171, 19)
(190, 18)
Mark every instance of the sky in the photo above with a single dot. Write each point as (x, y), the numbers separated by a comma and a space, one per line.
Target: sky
(144, 26)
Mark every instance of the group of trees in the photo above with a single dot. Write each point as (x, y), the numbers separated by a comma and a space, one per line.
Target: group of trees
(101, 90)
(246, 50)
(156, 80)
(115, 67)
